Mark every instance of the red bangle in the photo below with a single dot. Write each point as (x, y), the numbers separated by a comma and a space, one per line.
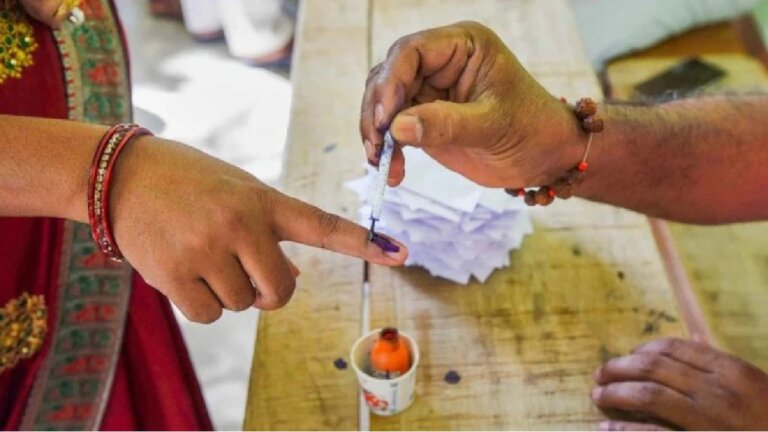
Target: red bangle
(100, 180)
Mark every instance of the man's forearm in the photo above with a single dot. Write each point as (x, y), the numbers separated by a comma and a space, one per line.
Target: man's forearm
(44, 166)
(701, 160)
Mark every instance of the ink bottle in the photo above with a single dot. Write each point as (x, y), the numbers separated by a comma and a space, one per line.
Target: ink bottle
(390, 356)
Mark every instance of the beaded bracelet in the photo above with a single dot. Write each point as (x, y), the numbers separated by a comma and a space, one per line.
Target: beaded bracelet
(99, 182)
(585, 110)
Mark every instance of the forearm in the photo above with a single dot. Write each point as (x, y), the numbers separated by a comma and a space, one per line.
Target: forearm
(699, 160)
(44, 166)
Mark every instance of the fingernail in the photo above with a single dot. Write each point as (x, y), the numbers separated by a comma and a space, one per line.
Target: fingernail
(596, 375)
(385, 244)
(378, 116)
(407, 129)
(698, 338)
(604, 426)
(596, 393)
(370, 152)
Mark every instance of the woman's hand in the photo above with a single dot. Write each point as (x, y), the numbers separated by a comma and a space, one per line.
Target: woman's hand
(458, 93)
(50, 12)
(685, 384)
(201, 230)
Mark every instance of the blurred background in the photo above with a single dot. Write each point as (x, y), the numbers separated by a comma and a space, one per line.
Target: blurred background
(215, 74)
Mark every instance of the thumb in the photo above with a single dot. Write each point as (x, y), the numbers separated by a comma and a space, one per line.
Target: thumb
(440, 124)
(297, 221)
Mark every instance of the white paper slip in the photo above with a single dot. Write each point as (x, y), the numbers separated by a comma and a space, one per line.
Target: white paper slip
(454, 228)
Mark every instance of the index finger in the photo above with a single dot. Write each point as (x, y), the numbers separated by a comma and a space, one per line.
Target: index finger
(300, 222)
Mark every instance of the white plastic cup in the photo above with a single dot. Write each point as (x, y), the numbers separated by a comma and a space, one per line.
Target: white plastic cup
(385, 397)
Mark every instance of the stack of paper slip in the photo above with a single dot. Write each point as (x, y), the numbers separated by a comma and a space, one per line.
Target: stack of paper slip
(453, 227)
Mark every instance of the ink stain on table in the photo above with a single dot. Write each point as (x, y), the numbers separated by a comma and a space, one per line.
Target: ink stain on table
(452, 377)
(329, 148)
(576, 250)
(620, 275)
(655, 319)
(340, 363)
(605, 354)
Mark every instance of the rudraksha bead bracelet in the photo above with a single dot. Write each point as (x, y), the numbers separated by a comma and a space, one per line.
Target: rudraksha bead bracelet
(585, 110)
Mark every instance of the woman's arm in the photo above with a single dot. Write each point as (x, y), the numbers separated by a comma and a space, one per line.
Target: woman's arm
(201, 231)
(44, 166)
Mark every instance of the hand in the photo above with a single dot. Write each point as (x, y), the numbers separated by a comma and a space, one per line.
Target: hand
(685, 384)
(50, 12)
(200, 230)
(458, 93)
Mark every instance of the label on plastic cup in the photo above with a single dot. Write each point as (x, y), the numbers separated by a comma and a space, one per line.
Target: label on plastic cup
(385, 397)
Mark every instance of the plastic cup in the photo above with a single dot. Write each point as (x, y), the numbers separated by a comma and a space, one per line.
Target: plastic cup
(385, 397)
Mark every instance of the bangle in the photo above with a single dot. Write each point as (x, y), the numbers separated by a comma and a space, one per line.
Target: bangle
(585, 110)
(100, 181)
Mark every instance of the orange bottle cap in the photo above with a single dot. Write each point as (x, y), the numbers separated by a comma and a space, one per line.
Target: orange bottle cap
(390, 353)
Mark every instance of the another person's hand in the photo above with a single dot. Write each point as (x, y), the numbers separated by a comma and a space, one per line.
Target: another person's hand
(458, 93)
(201, 230)
(685, 384)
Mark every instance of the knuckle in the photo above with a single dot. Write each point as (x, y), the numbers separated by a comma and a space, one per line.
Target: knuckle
(279, 297)
(194, 244)
(446, 118)
(228, 216)
(648, 365)
(329, 223)
(398, 45)
(373, 73)
(268, 302)
(667, 345)
(476, 25)
(267, 198)
(205, 315)
(287, 291)
(242, 301)
(647, 395)
(378, 86)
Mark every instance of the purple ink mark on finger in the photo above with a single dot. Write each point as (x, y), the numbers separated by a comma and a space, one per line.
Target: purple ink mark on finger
(385, 244)
(340, 363)
(452, 377)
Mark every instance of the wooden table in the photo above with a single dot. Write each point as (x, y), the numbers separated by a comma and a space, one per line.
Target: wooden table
(587, 285)
(727, 265)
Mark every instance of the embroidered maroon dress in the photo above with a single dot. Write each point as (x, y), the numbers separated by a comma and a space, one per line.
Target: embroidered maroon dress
(112, 357)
